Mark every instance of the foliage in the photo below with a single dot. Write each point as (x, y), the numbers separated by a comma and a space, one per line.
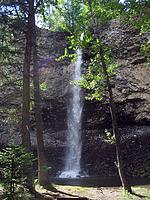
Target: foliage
(9, 121)
(13, 161)
(137, 12)
(66, 15)
(43, 87)
(94, 79)
(10, 58)
(109, 138)
(83, 37)
(93, 14)
(145, 50)
(10, 66)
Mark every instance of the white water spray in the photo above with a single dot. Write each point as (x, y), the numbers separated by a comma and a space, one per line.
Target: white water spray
(74, 144)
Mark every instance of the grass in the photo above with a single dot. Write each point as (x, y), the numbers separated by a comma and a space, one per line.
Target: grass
(1, 186)
(139, 192)
(74, 188)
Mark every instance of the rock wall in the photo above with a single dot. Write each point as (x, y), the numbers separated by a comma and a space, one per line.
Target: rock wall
(132, 103)
(131, 83)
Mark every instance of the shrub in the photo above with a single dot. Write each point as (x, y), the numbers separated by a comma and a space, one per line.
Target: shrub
(13, 161)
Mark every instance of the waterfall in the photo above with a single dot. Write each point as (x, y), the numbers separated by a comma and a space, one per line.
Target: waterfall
(74, 144)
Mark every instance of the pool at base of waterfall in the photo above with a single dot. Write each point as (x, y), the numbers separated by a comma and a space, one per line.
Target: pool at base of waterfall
(70, 174)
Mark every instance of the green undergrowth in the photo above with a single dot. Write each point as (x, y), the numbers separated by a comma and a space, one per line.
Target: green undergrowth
(139, 192)
(1, 185)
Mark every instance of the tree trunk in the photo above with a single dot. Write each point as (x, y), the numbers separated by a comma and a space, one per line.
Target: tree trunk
(42, 163)
(25, 129)
(116, 133)
(26, 92)
(90, 8)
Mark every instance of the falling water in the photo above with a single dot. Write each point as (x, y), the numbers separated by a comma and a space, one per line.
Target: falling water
(73, 153)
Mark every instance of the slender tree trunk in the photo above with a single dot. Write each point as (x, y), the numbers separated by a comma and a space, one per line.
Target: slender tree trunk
(42, 163)
(116, 133)
(120, 163)
(29, 51)
(25, 129)
(26, 93)
(90, 8)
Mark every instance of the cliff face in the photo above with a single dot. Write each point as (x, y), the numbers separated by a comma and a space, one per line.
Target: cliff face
(131, 83)
(132, 102)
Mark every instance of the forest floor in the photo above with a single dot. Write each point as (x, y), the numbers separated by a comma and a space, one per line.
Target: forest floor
(91, 193)
(103, 193)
